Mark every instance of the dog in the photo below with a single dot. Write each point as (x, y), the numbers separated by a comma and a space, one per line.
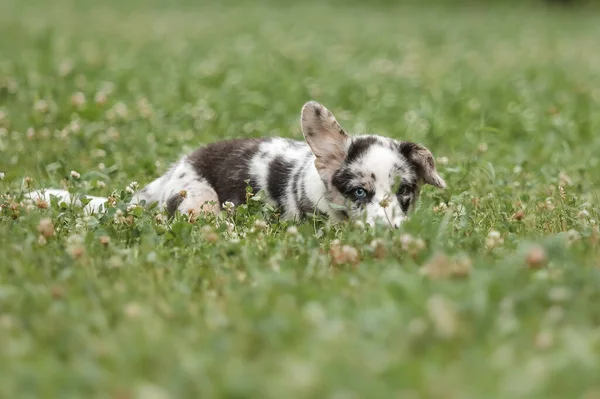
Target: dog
(330, 173)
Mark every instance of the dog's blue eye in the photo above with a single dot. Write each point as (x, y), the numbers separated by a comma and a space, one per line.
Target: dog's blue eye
(360, 193)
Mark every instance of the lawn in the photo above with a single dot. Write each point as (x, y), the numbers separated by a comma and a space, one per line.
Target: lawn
(491, 290)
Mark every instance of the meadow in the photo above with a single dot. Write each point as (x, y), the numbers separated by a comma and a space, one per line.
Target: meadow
(491, 290)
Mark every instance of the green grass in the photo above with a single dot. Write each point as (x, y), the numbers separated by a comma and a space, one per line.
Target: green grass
(129, 306)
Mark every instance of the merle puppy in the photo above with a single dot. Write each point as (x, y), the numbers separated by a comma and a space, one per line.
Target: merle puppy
(330, 173)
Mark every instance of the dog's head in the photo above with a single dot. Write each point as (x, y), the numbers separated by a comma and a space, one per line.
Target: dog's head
(371, 175)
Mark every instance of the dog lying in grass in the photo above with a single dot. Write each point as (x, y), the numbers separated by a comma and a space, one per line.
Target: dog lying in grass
(331, 173)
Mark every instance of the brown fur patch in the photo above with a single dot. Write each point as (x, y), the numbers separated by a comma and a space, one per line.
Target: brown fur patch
(423, 161)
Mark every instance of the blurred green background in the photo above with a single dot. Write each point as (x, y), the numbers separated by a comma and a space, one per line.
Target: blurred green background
(506, 94)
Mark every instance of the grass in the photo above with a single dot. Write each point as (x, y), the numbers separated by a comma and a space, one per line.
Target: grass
(491, 290)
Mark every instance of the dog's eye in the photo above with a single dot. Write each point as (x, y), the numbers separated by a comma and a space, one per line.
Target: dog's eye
(360, 193)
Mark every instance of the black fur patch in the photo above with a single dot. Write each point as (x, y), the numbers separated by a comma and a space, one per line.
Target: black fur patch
(406, 188)
(317, 112)
(359, 147)
(404, 204)
(225, 166)
(405, 194)
(303, 203)
(342, 181)
(279, 176)
(173, 203)
(181, 176)
(406, 148)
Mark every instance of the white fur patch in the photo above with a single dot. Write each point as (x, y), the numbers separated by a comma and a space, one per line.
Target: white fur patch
(386, 166)
(96, 204)
(292, 152)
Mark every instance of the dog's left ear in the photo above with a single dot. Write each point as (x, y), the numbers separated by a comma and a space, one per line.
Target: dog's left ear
(422, 158)
(326, 138)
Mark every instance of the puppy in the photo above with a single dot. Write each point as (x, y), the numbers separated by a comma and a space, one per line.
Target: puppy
(331, 173)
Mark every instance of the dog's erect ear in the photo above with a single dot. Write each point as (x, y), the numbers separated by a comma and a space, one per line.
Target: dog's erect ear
(422, 158)
(326, 138)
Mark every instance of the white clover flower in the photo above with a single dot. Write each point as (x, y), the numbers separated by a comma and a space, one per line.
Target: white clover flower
(100, 98)
(98, 153)
(121, 110)
(228, 206)
(376, 243)
(411, 116)
(75, 174)
(41, 106)
(260, 224)
(65, 68)
(494, 235)
(493, 240)
(443, 160)
(75, 126)
(419, 244)
(442, 207)
(406, 240)
(583, 214)
(132, 309)
(564, 179)
(78, 99)
(75, 239)
(572, 236)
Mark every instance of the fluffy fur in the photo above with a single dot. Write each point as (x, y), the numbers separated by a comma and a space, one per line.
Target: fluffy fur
(331, 173)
